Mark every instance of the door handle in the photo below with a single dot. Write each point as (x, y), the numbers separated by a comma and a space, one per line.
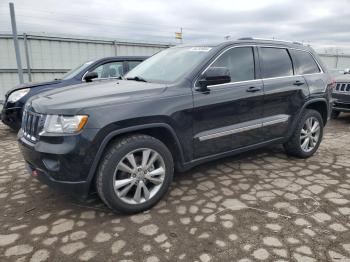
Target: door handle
(298, 83)
(254, 89)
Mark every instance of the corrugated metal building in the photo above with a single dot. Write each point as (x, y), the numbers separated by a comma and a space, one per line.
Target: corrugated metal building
(46, 57)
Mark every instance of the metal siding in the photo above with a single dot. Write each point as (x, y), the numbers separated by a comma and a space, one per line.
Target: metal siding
(52, 52)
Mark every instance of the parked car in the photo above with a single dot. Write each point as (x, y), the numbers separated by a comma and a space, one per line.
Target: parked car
(101, 69)
(341, 94)
(184, 106)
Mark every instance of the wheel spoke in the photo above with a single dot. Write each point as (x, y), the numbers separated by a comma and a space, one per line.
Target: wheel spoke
(127, 189)
(153, 158)
(315, 127)
(145, 157)
(137, 195)
(156, 176)
(123, 167)
(123, 182)
(305, 144)
(145, 191)
(132, 161)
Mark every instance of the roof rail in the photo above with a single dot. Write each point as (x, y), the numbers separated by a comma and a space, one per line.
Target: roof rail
(269, 39)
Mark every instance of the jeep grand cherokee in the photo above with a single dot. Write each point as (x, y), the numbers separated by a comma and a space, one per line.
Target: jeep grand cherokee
(184, 106)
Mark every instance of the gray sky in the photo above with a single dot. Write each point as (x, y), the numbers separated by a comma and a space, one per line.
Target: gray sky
(325, 24)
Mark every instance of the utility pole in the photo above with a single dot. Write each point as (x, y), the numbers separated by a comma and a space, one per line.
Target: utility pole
(15, 40)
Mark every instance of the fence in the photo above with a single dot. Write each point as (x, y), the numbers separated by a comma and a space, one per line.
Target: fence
(46, 57)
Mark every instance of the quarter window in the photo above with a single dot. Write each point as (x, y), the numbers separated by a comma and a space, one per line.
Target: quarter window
(304, 63)
(240, 63)
(276, 62)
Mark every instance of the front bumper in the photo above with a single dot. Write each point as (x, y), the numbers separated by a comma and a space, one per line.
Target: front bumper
(341, 102)
(12, 117)
(58, 162)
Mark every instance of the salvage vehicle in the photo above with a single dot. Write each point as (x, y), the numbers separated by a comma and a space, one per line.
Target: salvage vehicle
(101, 69)
(341, 94)
(182, 107)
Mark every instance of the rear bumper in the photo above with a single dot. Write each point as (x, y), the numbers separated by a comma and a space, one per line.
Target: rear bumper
(12, 117)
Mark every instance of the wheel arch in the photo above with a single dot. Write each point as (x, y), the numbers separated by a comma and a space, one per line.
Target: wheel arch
(321, 106)
(161, 131)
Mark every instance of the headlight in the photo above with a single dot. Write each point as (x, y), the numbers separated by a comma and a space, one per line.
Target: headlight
(64, 124)
(17, 95)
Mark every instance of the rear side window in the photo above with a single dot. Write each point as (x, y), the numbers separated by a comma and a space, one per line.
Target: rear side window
(276, 62)
(304, 63)
(240, 63)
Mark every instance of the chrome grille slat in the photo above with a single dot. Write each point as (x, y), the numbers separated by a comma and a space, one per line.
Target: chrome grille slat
(32, 125)
(342, 88)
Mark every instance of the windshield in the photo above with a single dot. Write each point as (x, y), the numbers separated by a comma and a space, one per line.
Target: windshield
(76, 70)
(169, 65)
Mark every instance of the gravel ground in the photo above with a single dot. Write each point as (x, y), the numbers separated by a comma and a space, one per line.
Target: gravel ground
(261, 205)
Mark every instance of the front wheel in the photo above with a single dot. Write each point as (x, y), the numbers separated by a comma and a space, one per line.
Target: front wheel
(134, 174)
(307, 135)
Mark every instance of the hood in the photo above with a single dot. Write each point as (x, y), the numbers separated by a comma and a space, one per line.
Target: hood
(342, 78)
(32, 85)
(72, 99)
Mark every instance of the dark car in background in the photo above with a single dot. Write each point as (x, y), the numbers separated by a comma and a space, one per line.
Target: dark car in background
(183, 106)
(101, 69)
(341, 94)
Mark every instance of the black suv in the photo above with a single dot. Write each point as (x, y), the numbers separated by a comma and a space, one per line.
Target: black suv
(341, 94)
(184, 106)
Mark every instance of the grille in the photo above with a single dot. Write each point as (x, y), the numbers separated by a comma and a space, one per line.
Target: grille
(342, 87)
(32, 125)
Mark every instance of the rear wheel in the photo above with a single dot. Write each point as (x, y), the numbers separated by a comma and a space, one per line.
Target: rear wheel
(135, 174)
(335, 114)
(307, 135)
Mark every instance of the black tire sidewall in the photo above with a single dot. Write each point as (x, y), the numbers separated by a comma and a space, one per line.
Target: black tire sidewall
(109, 166)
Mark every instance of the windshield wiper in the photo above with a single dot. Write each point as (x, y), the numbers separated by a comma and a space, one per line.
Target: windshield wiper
(136, 78)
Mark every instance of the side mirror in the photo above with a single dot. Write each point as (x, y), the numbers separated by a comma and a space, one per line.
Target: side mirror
(214, 76)
(90, 75)
(347, 71)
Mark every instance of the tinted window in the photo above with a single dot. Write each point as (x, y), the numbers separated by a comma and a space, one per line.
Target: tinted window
(110, 70)
(304, 63)
(133, 64)
(240, 62)
(275, 62)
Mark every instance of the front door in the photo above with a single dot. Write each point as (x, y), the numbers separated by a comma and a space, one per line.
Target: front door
(228, 116)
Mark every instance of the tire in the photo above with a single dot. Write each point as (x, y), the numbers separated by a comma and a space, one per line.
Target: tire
(112, 170)
(335, 114)
(294, 145)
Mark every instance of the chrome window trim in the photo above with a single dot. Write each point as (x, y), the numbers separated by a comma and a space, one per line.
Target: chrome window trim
(261, 79)
(243, 129)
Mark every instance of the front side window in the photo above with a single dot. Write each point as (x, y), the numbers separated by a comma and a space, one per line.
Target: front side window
(109, 70)
(169, 65)
(304, 63)
(239, 61)
(276, 62)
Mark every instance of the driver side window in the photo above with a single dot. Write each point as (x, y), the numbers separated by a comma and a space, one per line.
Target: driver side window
(239, 61)
(109, 70)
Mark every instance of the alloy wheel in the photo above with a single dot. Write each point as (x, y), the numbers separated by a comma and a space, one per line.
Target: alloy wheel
(310, 134)
(139, 175)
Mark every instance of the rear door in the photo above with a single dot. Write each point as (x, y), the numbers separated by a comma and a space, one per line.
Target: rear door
(285, 91)
(228, 116)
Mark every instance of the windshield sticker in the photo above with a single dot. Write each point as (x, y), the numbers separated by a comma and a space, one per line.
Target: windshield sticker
(200, 49)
